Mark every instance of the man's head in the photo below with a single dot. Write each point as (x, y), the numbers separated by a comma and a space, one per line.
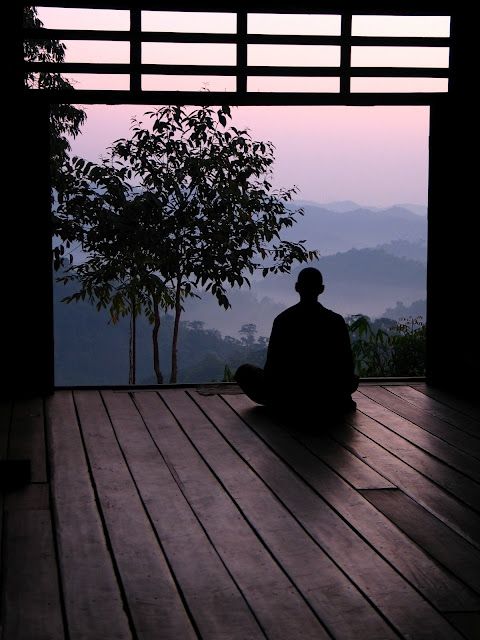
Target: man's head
(309, 283)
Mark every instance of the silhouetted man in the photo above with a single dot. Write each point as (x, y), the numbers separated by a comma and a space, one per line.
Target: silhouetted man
(309, 363)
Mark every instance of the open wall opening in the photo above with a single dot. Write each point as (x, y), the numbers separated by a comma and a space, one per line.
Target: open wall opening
(361, 175)
(301, 60)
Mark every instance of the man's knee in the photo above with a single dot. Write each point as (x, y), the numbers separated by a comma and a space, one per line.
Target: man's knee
(251, 380)
(248, 373)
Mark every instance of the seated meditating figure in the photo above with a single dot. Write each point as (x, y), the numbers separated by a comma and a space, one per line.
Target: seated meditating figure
(309, 365)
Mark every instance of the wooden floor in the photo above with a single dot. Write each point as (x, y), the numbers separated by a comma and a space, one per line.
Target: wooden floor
(179, 515)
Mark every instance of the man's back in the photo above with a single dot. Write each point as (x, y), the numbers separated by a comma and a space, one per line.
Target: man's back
(309, 361)
(309, 349)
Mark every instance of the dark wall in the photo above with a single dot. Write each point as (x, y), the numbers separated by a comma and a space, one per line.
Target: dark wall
(453, 352)
(453, 259)
(27, 336)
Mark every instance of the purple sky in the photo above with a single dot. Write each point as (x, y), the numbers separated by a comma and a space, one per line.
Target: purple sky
(372, 155)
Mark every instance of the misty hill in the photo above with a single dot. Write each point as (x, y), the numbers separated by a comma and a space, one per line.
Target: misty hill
(344, 206)
(356, 281)
(365, 280)
(405, 249)
(332, 231)
(414, 310)
(419, 209)
(89, 350)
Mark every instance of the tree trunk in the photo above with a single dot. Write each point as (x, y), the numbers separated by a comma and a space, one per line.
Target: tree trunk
(178, 311)
(133, 348)
(155, 332)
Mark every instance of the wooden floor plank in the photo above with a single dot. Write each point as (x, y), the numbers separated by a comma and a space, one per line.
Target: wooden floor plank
(446, 546)
(211, 595)
(358, 560)
(456, 402)
(438, 409)
(6, 407)
(31, 593)
(348, 466)
(5, 421)
(32, 496)
(27, 436)
(467, 623)
(88, 577)
(437, 585)
(398, 437)
(463, 441)
(262, 532)
(152, 596)
(342, 608)
(279, 608)
(460, 518)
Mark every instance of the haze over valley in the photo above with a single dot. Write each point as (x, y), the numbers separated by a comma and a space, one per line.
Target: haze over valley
(372, 259)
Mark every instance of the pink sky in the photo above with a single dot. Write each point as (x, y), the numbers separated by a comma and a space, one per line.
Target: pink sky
(373, 155)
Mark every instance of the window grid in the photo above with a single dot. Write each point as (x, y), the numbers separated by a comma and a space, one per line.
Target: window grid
(241, 70)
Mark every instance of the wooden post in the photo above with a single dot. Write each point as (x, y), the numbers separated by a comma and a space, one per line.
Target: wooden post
(453, 353)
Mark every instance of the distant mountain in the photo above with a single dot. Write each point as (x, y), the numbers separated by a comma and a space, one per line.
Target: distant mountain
(419, 209)
(356, 281)
(405, 249)
(414, 310)
(342, 206)
(390, 278)
(91, 351)
(345, 206)
(333, 231)
(248, 305)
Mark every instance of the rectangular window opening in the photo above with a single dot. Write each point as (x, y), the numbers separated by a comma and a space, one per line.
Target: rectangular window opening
(189, 22)
(293, 84)
(362, 178)
(279, 55)
(189, 53)
(164, 82)
(84, 51)
(421, 57)
(88, 19)
(401, 26)
(294, 24)
(398, 85)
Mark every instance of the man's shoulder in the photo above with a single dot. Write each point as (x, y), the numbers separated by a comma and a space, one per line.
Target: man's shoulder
(298, 310)
(333, 315)
(288, 313)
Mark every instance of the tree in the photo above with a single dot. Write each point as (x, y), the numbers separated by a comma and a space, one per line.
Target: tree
(65, 119)
(409, 347)
(212, 183)
(112, 223)
(397, 351)
(202, 215)
(247, 332)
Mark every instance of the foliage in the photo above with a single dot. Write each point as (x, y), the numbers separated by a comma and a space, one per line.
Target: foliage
(398, 350)
(408, 342)
(65, 119)
(247, 333)
(192, 195)
(113, 224)
(228, 374)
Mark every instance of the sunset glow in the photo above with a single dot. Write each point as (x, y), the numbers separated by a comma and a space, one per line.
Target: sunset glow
(267, 55)
(376, 155)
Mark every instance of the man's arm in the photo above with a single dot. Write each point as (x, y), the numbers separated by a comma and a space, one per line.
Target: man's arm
(347, 364)
(273, 362)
